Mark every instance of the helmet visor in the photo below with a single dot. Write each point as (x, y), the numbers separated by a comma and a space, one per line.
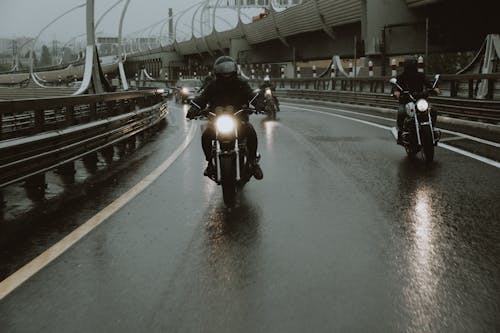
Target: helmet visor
(226, 67)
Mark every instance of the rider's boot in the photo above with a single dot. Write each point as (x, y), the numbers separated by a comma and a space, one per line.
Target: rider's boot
(209, 170)
(254, 168)
(400, 137)
(437, 135)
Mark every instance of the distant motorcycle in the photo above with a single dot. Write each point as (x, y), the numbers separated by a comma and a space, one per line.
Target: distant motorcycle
(229, 151)
(270, 106)
(418, 133)
(266, 102)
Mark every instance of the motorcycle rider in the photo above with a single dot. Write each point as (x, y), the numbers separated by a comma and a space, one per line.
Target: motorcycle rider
(209, 78)
(226, 89)
(414, 82)
(267, 84)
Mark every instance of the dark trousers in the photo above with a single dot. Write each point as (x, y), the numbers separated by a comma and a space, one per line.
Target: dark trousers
(246, 130)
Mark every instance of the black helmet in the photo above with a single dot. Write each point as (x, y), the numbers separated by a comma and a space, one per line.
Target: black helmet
(410, 64)
(225, 65)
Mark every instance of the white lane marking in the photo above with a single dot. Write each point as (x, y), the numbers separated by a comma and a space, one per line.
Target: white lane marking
(465, 136)
(445, 146)
(344, 117)
(30, 269)
(451, 138)
(471, 155)
(473, 138)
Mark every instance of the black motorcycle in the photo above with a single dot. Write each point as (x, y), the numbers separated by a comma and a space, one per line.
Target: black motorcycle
(270, 107)
(229, 151)
(266, 102)
(418, 134)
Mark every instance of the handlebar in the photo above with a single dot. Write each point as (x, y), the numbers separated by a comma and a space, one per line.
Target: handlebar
(208, 113)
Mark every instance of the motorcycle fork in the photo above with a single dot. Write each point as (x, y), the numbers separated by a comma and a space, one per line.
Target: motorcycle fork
(217, 160)
(218, 151)
(417, 127)
(432, 128)
(237, 152)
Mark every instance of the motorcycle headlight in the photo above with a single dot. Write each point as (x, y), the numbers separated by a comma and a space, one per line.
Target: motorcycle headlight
(268, 92)
(225, 124)
(422, 105)
(185, 90)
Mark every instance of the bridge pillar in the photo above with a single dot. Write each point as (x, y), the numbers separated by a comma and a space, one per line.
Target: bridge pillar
(377, 15)
(93, 77)
(108, 154)
(237, 48)
(35, 187)
(67, 172)
(2, 203)
(131, 143)
(90, 162)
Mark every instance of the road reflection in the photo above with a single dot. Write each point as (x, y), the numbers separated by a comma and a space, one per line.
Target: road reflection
(269, 129)
(422, 219)
(232, 242)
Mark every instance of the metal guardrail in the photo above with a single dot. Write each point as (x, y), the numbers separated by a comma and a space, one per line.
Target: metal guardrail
(488, 111)
(375, 91)
(56, 131)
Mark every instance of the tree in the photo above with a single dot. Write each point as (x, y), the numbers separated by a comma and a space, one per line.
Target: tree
(35, 59)
(46, 58)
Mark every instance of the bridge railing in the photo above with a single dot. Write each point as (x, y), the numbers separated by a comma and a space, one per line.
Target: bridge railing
(41, 134)
(460, 86)
(456, 98)
(22, 117)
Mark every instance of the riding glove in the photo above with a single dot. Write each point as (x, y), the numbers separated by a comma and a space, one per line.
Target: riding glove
(193, 112)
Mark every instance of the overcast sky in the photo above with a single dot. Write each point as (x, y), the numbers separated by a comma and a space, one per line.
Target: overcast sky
(20, 18)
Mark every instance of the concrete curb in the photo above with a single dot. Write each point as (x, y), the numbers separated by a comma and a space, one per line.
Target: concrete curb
(482, 130)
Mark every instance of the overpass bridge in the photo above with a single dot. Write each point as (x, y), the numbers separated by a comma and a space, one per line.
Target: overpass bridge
(107, 223)
(318, 29)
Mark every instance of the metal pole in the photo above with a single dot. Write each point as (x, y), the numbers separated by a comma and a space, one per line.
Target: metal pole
(426, 60)
(123, 77)
(384, 48)
(91, 69)
(355, 60)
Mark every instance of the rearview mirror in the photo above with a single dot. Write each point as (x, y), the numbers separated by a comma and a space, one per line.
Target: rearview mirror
(436, 79)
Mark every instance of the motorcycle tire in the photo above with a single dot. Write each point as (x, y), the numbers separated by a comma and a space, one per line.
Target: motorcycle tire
(427, 144)
(411, 153)
(271, 111)
(228, 180)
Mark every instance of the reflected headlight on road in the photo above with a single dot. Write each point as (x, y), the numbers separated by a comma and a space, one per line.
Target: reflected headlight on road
(185, 90)
(268, 92)
(422, 105)
(225, 124)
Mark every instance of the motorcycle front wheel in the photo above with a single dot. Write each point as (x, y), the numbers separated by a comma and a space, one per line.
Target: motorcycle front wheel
(427, 144)
(271, 110)
(228, 179)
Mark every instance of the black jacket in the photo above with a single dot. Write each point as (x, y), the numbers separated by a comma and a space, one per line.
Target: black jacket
(206, 82)
(413, 82)
(234, 91)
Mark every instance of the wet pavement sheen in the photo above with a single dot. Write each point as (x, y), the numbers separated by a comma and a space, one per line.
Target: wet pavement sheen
(343, 234)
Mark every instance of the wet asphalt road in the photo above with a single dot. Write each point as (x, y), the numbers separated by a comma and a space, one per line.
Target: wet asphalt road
(343, 234)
